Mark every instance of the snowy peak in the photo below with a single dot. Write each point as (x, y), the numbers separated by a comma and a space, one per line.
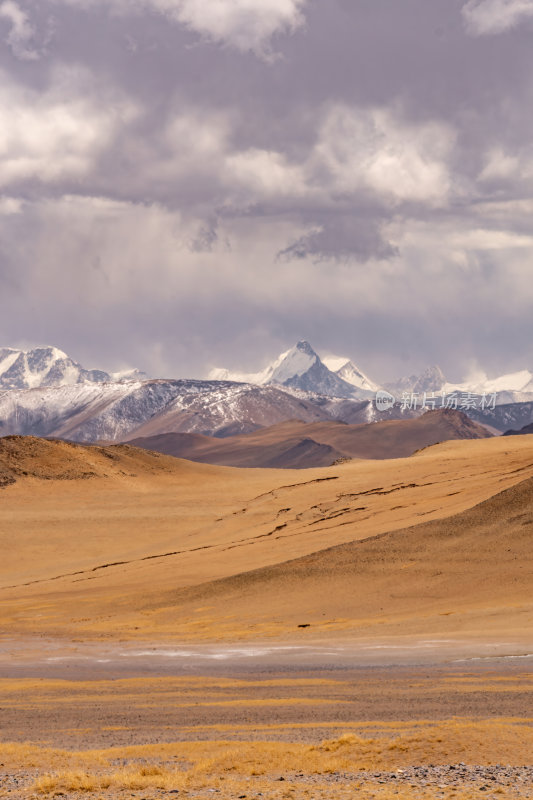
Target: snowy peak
(287, 366)
(49, 366)
(43, 366)
(301, 368)
(293, 364)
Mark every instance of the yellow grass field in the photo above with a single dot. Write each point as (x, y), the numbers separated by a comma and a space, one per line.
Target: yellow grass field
(112, 557)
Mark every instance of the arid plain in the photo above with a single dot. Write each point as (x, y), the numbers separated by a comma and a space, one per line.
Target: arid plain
(363, 629)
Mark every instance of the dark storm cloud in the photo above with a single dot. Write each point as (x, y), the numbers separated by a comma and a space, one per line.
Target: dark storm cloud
(185, 184)
(342, 238)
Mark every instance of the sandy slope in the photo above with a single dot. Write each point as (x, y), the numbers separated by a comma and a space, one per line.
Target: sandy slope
(119, 547)
(471, 572)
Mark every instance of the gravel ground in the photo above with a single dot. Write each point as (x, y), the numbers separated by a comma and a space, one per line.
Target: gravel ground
(431, 780)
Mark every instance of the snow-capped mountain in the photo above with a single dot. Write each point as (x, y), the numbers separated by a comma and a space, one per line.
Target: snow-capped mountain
(119, 411)
(301, 368)
(49, 366)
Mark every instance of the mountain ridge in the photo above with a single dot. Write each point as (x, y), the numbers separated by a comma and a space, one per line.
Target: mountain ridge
(295, 444)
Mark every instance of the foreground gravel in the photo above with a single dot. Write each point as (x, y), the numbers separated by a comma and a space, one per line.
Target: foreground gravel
(491, 782)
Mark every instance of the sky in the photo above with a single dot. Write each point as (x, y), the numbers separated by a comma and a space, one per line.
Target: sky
(188, 184)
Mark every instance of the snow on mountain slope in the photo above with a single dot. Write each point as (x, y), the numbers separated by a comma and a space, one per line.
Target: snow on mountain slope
(350, 373)
(480, 384)
(56, 410)
(43, 366)
(228, 409)
(293, 364)
(129, 375)
(49, 366)
(257, 378)
(115, 411)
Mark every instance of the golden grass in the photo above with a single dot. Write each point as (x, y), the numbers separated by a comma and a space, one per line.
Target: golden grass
(147, 777)
(160, 686)
(477, 742)
(232, 767)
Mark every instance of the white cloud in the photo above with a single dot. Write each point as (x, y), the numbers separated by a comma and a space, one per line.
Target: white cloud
(486, 17)
(265, 173)
(57, 133)
(502, 168)
(22, 32)
(10, 205)
(359, 149)
(197, 138)
(356, 152)
(243, 24)
(499, 165)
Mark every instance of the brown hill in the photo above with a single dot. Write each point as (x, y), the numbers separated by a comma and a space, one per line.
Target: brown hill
(56, 460)
(297, 444)
(283, 446)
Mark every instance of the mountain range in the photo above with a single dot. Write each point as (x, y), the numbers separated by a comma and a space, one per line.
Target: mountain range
(46, 393)
(333, 376)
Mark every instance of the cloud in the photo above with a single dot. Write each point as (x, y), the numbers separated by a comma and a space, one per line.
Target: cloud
(378, 151)
(360, 167)
(243, 24)
(265, 173)
(486, 17)
(57, 133)
(365, 166)
(10, 205)
(126, 286)
(20, 37)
